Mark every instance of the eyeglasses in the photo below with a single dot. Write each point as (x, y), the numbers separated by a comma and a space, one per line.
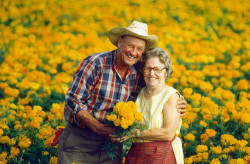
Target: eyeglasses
(155, 69)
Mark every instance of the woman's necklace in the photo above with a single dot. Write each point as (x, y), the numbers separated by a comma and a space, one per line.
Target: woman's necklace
(148, 94)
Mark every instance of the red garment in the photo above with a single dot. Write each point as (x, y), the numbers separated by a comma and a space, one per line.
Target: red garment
(57, 135)
(160, 152)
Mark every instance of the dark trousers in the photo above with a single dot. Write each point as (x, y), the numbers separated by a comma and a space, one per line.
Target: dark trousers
(82, 146)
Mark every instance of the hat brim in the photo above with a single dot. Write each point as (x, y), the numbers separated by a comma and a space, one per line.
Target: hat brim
(117, 32)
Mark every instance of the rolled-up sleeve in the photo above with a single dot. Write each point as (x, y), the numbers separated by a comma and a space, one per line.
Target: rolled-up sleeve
(80, 90)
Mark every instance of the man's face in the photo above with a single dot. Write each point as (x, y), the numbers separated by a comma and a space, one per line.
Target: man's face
(130, 49)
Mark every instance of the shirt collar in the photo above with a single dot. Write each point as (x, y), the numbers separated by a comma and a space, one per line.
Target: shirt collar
(131, 69)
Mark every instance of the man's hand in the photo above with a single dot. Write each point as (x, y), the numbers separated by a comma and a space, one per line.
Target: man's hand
(85, 119)
(105, 131)
(181, 106)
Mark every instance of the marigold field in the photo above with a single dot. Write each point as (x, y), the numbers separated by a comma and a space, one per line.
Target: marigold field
(42, 42)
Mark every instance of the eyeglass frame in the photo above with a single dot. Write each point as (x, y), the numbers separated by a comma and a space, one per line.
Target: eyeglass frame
(145, 69)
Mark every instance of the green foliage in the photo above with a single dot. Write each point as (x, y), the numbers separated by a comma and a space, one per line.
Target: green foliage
(46, 102)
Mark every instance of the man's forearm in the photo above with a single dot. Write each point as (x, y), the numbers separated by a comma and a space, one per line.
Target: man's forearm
(86, 119)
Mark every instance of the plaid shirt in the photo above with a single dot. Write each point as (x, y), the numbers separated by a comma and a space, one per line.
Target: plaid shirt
(97, 87)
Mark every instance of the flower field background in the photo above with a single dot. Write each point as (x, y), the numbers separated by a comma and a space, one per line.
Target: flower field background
(42, 42)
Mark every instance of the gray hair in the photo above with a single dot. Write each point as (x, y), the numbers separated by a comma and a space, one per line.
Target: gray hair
(162, 55)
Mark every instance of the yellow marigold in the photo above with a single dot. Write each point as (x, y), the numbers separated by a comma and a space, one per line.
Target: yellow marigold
(196, 97)
(14, 151)
(190, 117)
(215, 161)
(187, 92)
(17, 122)
(50, 117)
(207, 117)
(3, 156)
(35, 124)
(198, 157)
(125, 114)
(223, 156)
(224, 116)
(244, 118)
(237, 161)
(37, 108)
(5, 139)
(189, 137)
(117, 122)
(243, 84)
(206, 86)
(247, 158)
(197, 110)
(185, 125)
(18, 126)
(183, 80)
(124, 125)
(53, 160)
(204, 138)
(205, 156)
(28, 111)
(45, 132)
(248, 150)
(203, 123)
(67, 66)
(216, 150)
(12, 142)
(226, 150)
(39, 119)
(11, 117)
(117, 107)
(227, 95)
(210, 132)
(189, 160)
(4, 126)
(126, 122)
(13, 106)
(241, 144)
(11, 92)
(232, 148)
(55, 108)
(201, 148)
(48, 142)
(244, 95)
(45, 153)
(24, 142)
(1, 132)
(132, 106)
(138, 116)
(3, 85)
(41, 114)
(227, 139)
(111, 117)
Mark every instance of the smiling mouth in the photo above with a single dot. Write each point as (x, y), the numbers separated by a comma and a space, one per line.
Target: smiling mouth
(131, 57)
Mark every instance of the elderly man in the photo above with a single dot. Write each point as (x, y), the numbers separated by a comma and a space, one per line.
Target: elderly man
(102, 80)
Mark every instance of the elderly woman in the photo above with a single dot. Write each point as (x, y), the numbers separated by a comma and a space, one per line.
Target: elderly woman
(157, 102)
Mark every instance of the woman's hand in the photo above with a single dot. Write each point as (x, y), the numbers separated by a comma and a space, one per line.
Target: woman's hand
(181, 106)
(115, 138)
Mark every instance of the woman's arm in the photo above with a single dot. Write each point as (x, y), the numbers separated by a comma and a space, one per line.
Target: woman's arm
(171, 119)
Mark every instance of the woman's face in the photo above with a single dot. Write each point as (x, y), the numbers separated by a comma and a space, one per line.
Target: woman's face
(154, 72)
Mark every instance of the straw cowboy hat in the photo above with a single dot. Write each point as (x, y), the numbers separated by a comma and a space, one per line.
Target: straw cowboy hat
(136, 29)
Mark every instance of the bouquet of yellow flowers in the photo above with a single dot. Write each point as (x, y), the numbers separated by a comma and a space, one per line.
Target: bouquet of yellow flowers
(125, 118)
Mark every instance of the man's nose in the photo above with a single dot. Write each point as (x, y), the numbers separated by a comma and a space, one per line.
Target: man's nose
(133, 51)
